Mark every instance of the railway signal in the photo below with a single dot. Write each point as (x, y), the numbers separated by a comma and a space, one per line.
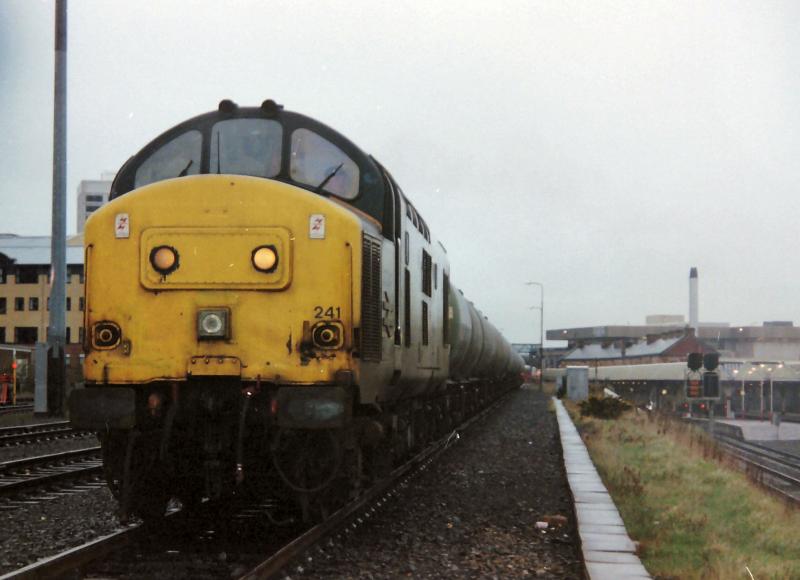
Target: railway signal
(711, 385)
(694, 388)
(702, 380)
(711, 361)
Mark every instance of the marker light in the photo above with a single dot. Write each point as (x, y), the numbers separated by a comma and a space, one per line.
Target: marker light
(212, 323)
(265, 258)
(164, 259)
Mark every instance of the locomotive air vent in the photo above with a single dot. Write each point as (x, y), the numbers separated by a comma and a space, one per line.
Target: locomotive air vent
(371, 299)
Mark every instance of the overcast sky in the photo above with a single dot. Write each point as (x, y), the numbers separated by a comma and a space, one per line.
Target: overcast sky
(599, 147)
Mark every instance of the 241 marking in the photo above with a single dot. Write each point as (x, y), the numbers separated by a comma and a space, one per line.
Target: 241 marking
(329, 312)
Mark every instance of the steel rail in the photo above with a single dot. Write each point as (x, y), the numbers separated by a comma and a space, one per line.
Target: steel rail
(34, 436)
(17, 429)
(44, 460)
(75, 558)
(15, 409)
(739, 453)
(49, 475)
(80, 557)
(790, 459)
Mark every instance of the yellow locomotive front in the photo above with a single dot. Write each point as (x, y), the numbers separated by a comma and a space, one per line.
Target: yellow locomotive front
(223, 311)
(196, 277)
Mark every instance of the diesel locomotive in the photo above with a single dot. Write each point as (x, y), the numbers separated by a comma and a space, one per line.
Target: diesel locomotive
(268, 313)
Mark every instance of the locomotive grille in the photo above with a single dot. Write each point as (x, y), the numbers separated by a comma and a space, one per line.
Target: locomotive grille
(426, 272)
(371, 299)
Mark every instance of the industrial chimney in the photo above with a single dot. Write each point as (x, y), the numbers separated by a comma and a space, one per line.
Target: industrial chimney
(694, 321)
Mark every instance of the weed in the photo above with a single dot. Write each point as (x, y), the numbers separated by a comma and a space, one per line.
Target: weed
(605, 408)
(693, 513)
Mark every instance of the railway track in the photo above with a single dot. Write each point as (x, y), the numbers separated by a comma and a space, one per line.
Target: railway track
(777, 470)
(245, 542)
(38, 432)
(8, 410)
(23, 475)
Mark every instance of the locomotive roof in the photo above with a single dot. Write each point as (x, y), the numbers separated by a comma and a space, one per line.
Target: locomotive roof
(369, 197)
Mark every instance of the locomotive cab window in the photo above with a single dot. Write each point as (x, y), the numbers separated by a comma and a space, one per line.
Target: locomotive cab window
(246, 147)
(318, 162)
(177, 158)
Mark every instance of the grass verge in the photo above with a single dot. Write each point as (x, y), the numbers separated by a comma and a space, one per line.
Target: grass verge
(693, 514)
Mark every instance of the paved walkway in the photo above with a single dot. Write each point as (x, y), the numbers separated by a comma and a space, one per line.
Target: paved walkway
(764, 430)
(608, 552)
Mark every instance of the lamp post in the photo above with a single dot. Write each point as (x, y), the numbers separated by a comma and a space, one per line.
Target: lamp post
(772, 390)
(769, 374)
(541, 330)
(56, 328)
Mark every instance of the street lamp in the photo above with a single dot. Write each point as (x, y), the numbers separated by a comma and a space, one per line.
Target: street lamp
(541, 330)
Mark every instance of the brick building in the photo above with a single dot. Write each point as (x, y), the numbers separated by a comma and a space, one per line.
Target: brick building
(25, 289)
(665, 347)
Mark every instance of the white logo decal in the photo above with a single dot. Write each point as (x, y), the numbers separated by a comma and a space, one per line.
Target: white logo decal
(122, 226)
(316, 226)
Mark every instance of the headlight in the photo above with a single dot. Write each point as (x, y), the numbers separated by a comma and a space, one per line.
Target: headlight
(106, 335)
(265, 258)
(164, 259)
(213, 323)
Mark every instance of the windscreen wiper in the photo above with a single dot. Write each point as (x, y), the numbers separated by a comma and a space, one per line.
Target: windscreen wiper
(327, 179)
(186, 169)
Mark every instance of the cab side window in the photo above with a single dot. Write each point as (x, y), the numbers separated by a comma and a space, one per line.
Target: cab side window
(315, 161)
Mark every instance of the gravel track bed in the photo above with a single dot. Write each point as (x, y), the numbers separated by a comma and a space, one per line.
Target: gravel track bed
(473, 512)
(31, 532)
(33, 528)
(25, 450)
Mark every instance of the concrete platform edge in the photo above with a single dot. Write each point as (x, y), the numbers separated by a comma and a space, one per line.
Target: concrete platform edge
(605, 556)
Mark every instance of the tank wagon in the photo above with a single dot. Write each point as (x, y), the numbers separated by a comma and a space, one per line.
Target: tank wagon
(267, 312)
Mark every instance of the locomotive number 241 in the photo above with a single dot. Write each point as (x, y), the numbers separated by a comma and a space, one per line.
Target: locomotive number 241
(329, 312)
